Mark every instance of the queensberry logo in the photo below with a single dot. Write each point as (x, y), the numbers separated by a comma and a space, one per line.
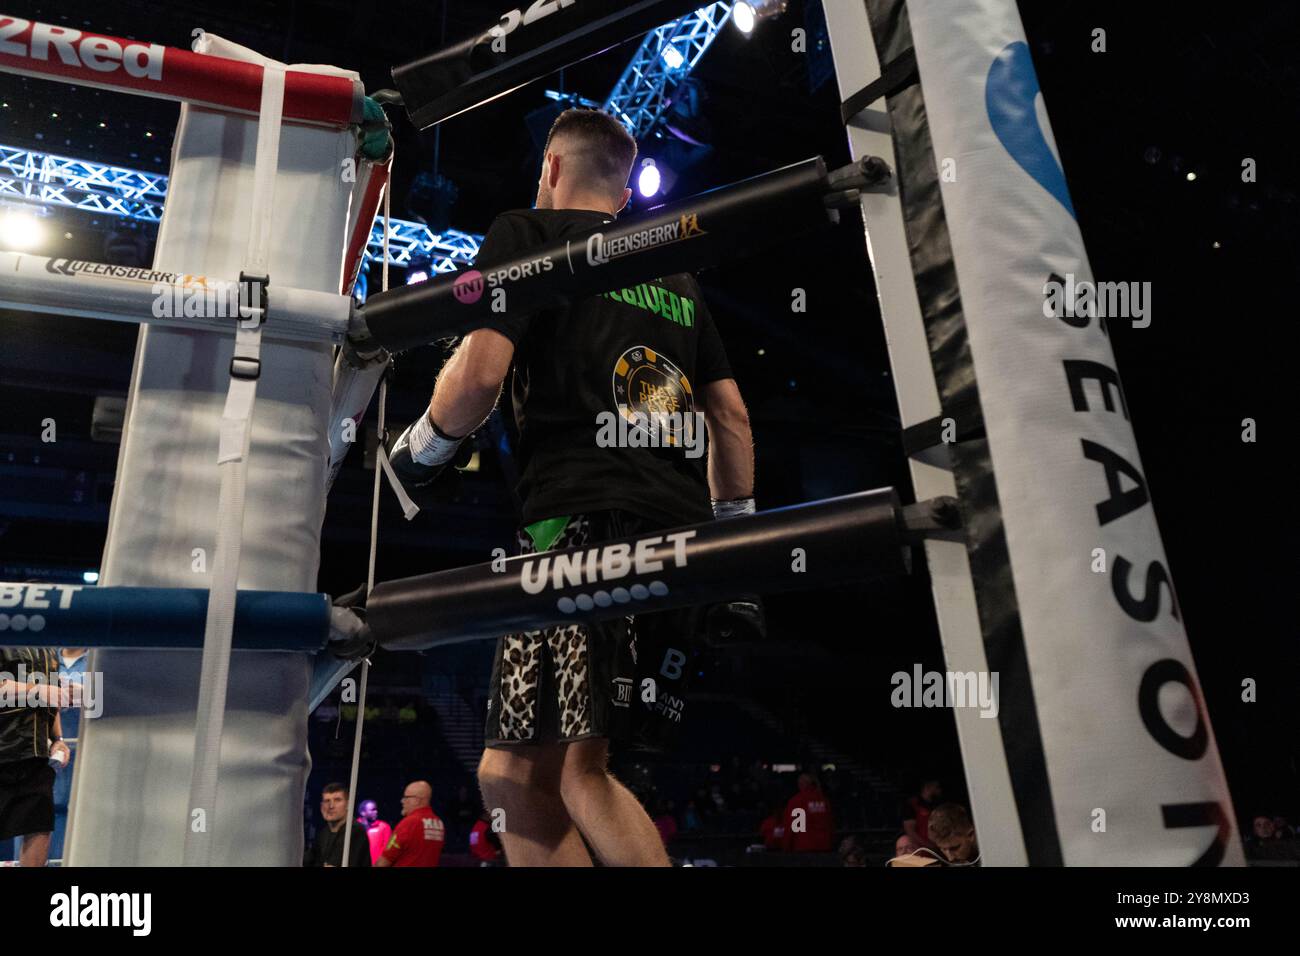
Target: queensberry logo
(1009, 97)
(601, 250)
(76, 267)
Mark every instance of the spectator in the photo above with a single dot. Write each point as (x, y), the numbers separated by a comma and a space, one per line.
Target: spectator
(953, 834)
(420, 836)
(484, 842)
(1266, 843)
(717, 799)
(809, 825)
(852, 853)
(30, 736)
(916, 813)
(72, 675)
(328, 848)
(773, 828)
(665, 822)
(905, 846)
(1263, 830)
(463, 811)
(690, 817)
(377, 831)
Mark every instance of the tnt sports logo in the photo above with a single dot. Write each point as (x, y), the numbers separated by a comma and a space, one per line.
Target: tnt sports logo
(651, 390)
(468, 287)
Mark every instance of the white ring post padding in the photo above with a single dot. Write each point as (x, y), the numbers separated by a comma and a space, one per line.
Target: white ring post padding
(93, 290)
(131, 785)
(1100, 727)
(987, 780)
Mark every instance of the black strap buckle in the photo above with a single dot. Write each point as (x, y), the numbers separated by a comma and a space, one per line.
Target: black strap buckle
(252, 289)
(246, 369)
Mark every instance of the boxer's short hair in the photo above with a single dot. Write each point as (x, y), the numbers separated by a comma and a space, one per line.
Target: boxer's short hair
(598, 145)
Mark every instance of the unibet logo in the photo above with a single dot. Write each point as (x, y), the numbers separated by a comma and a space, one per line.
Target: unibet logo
(607, 563)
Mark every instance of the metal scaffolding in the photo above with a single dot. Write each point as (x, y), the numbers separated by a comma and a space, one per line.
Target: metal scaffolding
(665, 58)
(42, 179)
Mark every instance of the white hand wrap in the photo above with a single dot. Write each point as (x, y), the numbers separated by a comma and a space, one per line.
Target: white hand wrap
(428, 446)
(733, 508)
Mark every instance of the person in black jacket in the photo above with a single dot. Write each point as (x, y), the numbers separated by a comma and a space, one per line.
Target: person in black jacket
(328, 848)
(612, 395)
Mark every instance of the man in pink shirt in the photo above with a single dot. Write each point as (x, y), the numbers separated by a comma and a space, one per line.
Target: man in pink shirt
(377, 831)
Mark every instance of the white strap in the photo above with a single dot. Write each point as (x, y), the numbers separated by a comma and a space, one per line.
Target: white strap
(232, 462)
(409, 508)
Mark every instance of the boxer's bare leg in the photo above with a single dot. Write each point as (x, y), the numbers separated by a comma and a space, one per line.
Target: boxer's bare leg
(610, 817)
(524, 782)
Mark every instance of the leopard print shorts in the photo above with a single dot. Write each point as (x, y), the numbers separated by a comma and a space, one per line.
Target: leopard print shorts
(562, 683)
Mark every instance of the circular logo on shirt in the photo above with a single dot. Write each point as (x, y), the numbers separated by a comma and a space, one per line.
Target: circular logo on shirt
(654, 396)
(468, 287)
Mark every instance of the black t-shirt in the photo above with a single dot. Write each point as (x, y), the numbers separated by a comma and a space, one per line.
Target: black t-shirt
(328, 848)
(25, 731)
(589, 376)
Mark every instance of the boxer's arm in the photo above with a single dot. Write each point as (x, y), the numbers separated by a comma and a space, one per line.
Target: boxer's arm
(731, 444)
(467, 389)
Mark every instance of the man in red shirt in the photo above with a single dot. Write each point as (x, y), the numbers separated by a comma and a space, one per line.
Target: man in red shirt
(483, 842)
(420, 835)
(772, 829)
(809, 826)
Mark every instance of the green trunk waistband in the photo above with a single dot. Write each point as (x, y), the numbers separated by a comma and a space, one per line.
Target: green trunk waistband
(546, 532)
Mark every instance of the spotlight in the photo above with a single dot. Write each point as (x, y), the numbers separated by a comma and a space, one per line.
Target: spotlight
(672, 57)
(90, 577)
(20, 231)
(649, 180)
(747, 15)
(418, 275)
(744, 17)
